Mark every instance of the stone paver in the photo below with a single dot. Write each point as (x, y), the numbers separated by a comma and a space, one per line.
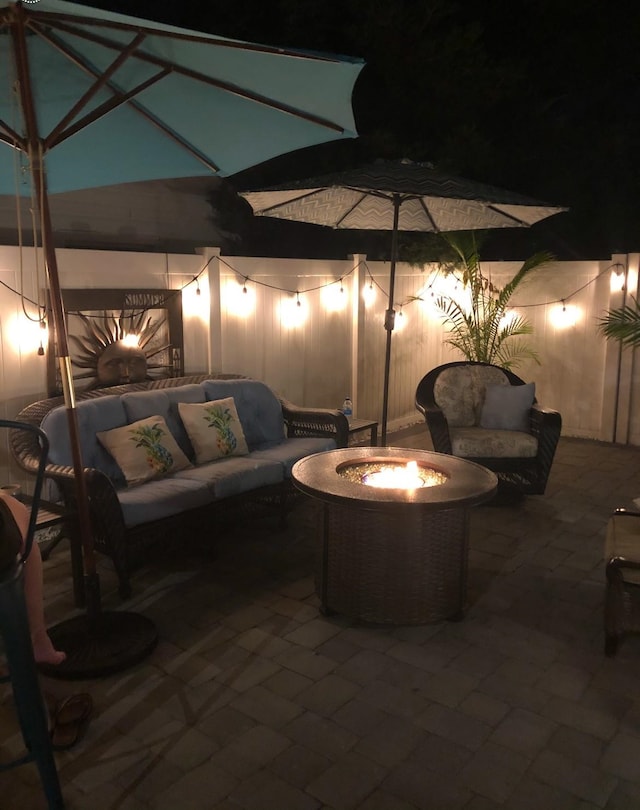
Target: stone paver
(254, 701)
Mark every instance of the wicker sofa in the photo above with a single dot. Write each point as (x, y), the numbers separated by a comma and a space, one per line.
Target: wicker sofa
(454, 400)
(127, 521)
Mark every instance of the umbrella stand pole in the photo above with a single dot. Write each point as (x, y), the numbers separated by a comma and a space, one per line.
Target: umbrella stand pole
(96, 643)
(390, 317)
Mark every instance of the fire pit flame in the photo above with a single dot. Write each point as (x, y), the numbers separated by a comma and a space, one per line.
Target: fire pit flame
(406, 477)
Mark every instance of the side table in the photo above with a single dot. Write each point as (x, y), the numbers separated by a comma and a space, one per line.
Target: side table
(358, 425)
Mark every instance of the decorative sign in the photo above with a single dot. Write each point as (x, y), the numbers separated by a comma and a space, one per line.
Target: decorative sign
(119, 336)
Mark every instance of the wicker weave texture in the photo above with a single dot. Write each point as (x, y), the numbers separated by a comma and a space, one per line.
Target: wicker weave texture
(400, 567)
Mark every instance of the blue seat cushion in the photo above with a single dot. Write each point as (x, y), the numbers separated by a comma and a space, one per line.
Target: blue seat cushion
(161, 498)
(234, 475)
(291, 450)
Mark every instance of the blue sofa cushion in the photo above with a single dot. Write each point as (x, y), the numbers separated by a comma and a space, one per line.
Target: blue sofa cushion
(104, 413)
(142, 404)
(258, 407)
(291, 450)
(234, 475)
(161, 498)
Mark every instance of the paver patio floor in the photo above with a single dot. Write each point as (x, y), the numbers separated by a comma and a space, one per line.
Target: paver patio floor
(254, 700)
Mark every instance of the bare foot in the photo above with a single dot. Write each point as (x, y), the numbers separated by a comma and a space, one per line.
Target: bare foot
(43, 650)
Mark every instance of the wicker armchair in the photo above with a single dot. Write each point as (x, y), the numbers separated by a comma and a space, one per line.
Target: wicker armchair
(622, 595)
(452, 399)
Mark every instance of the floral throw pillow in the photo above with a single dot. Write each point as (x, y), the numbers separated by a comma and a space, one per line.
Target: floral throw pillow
(214, 429)
(144, 450)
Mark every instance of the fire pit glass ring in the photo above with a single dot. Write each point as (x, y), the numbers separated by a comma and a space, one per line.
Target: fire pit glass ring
(392, 474)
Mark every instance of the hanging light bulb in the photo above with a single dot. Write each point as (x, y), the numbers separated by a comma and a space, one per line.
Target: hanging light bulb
(43, 327)
(197, 286)
(244, 286)
(298, 304)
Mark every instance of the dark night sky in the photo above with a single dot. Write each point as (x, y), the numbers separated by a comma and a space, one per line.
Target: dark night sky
(541, 97)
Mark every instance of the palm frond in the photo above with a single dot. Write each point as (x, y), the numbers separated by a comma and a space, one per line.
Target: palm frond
(622, 324)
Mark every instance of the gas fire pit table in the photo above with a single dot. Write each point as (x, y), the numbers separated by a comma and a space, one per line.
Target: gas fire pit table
(393, 552)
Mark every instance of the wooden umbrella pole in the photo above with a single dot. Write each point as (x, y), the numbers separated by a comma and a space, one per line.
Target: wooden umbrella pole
(390, 316)
(33, 146)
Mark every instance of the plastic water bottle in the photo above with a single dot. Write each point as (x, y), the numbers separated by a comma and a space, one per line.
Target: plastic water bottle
(347, 407)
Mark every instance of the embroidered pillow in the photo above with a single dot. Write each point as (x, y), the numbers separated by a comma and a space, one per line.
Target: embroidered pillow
(143, 450)
(214, 429)
(506, 407)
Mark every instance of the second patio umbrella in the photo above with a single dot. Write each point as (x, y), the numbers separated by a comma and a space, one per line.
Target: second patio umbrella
(95, 98)
(397, 196)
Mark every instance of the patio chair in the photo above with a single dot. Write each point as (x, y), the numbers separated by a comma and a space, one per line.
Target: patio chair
(487, 414)
(622, 594)
(16, 640)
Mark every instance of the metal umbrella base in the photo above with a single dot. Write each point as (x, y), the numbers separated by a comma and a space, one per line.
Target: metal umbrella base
(101, 645)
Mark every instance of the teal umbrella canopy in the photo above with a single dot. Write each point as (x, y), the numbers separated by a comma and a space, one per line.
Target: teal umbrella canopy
(118, 99)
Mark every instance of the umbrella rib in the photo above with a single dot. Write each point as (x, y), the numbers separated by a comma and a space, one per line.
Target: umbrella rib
(57, 135)
(12, 138)
(428, 215)
(101, 80)
(341, 219)
(508, 216)
(227, 87)
(66, 22)
(265, 211)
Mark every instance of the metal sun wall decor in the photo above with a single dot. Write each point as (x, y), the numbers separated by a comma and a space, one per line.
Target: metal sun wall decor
(119, 336)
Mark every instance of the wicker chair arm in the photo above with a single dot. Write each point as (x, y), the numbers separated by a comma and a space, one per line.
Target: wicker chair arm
(438, 427)
(617, 565)
(315, 422)
(545, 421)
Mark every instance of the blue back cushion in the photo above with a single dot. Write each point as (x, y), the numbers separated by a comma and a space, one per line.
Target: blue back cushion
(259, 409)
(141, 404)
(103, 413)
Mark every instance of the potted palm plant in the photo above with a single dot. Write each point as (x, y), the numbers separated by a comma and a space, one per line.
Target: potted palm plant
(478, 327)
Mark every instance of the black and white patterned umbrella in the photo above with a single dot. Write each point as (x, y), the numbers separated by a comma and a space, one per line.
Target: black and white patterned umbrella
(398, 196)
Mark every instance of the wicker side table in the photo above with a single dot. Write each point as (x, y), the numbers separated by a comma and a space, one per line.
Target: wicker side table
(389, 556)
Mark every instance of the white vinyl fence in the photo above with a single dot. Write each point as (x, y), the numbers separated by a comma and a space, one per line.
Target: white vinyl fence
(313, 329)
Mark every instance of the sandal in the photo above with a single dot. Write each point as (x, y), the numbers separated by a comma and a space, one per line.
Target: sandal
(70, 719)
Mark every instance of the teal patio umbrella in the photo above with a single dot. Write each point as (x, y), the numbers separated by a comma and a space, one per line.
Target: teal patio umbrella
(93, 98)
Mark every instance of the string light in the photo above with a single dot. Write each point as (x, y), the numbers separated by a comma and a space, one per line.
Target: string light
(43, 327)
(197, 286)
(244, 286)
(298, 304)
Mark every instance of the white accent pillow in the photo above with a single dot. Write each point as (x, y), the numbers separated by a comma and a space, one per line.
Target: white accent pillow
(144, 450)
(214, 429)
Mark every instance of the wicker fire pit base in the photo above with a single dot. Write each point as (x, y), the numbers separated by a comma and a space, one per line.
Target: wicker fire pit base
(393, 557)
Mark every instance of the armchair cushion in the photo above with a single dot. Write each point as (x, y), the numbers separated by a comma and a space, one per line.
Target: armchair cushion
(506, 407)
(460, 391)
(478, 442)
